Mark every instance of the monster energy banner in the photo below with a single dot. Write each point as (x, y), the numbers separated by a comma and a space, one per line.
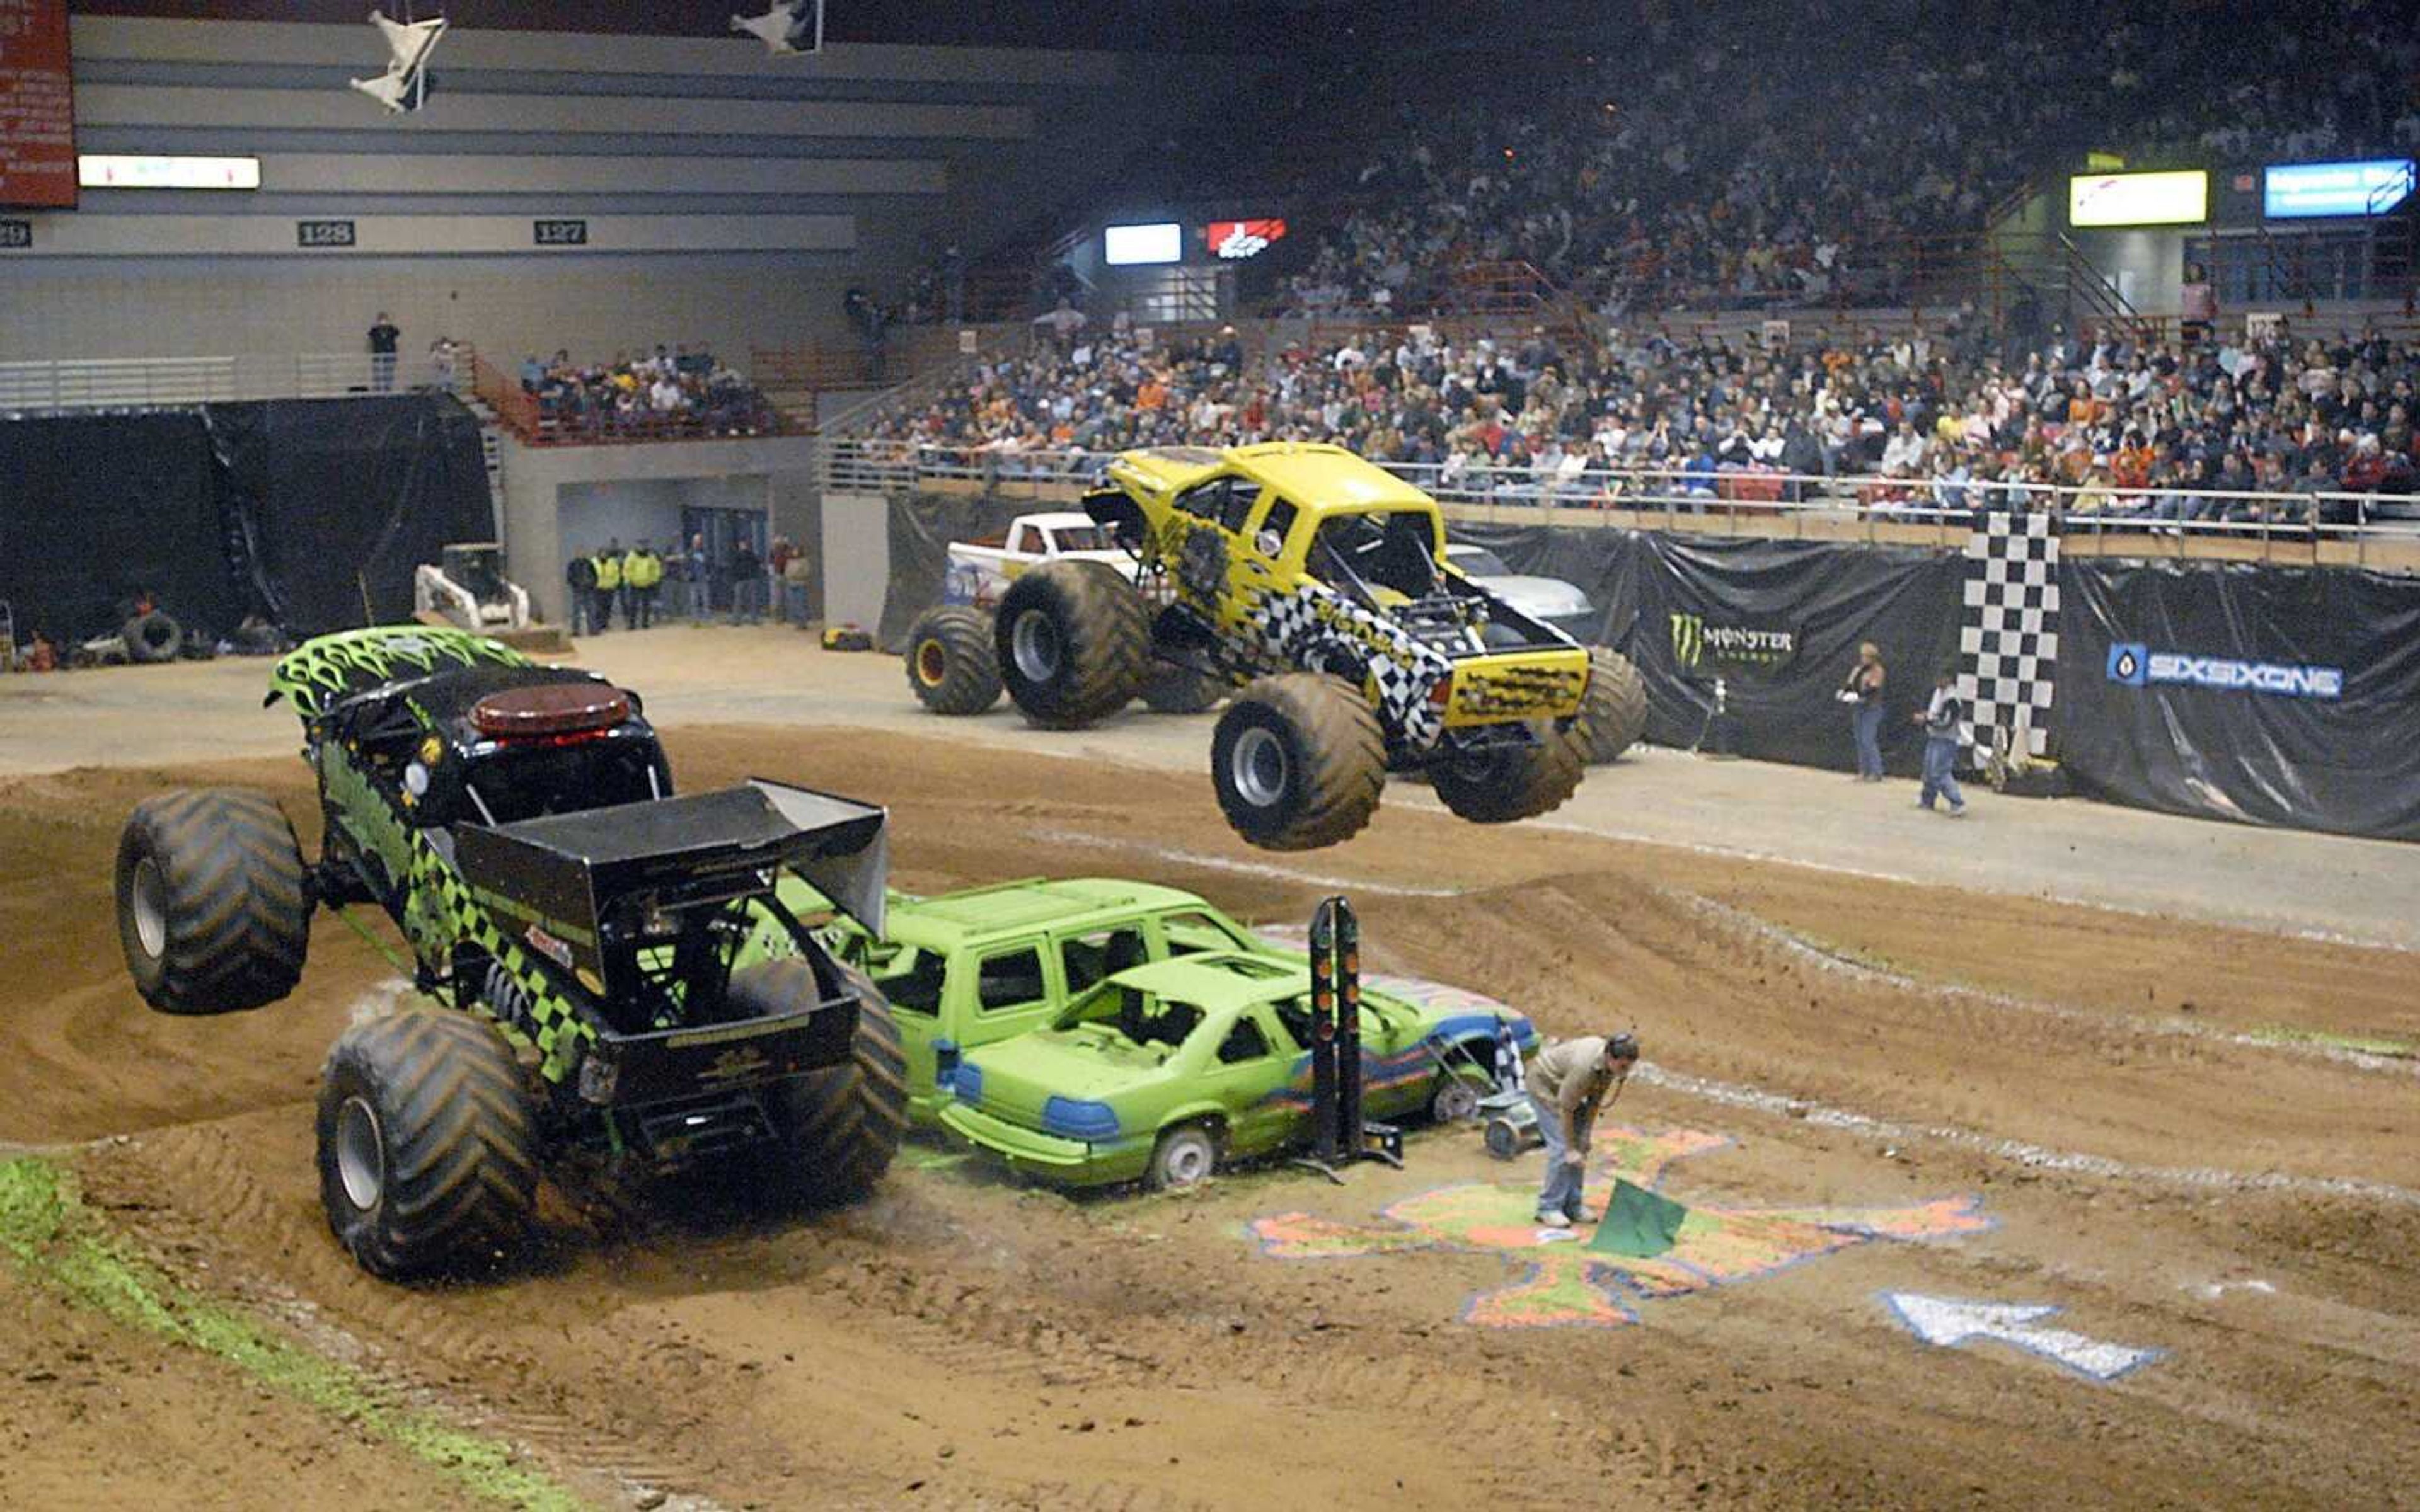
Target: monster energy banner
(2267, 695)
(1744, 643)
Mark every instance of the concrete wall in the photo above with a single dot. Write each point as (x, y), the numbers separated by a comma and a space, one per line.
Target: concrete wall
(561, 500)
(731, 196)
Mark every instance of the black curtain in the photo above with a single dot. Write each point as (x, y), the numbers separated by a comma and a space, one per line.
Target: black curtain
(337, 500)
(922, 528)
(2198, 688)
(1776, 624)
(96, 509)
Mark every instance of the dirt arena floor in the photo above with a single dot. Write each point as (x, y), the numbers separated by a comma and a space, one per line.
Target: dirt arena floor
(2194, 1139)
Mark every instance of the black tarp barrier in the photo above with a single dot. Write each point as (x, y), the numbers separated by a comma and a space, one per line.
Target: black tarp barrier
(1777, 622)
(312, 511)
(95, 509)
(922, 528)
(2201, 688)
(338, 500)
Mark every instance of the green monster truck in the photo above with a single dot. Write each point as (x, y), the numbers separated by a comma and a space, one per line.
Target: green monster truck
(1315, 583)
(614, 972)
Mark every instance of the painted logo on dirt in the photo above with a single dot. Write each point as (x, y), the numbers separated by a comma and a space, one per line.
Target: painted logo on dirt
(1567, 1284)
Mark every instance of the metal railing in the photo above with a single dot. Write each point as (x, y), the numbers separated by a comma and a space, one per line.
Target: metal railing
(135, 382)
(1744, 500)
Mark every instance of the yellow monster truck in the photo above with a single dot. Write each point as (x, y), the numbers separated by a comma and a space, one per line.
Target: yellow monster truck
(1315, 583)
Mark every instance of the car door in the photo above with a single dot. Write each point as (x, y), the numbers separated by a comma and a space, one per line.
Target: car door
(1397, 1071)
(1010, 989)
(1246, 1073)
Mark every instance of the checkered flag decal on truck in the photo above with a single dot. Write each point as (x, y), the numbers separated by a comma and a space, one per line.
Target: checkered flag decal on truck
(2008, 634)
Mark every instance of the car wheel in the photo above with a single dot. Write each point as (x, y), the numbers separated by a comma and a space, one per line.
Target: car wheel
(1185, 1157)
(1454, 1100)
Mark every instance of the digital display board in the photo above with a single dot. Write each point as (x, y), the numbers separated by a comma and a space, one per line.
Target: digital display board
(103, 170)
(2297, 190)
(2178, 198)
(1161, 242)
(38, 156)
(1242, 239)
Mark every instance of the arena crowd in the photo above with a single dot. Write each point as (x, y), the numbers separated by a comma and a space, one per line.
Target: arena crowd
(682, 390)
(1919, 420)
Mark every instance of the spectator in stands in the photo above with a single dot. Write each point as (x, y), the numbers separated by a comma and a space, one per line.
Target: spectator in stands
(384, 336)
(1063, 322)
(643, 573)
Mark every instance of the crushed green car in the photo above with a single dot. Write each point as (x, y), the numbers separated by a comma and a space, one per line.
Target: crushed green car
(1163, 1073)
(968, 969)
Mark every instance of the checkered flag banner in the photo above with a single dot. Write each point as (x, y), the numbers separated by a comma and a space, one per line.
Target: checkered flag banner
(2008, 633)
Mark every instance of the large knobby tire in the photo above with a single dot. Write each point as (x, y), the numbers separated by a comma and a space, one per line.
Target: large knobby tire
(1614, 712)
(153, 637)
(1169, 689)
(953, 666)
(1298, 762)
(212, 911)
(1072, 640)
(1513, 782)
(838, 1127)
(427, 1144)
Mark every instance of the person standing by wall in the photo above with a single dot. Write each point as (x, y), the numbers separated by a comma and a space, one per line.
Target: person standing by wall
(794, 585)
(778, 561)
(1568, 1081)
(747, 583)
(384, 336)
(1863, 693)
(1941, 718)
(608, 562)
(695, 575)
(579, 585)
(642, 571)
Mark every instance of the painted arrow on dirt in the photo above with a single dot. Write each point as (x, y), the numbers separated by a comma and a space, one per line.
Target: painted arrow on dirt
(1948, 1321)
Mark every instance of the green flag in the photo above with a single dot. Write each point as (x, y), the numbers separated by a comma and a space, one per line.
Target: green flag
(1638, 1222)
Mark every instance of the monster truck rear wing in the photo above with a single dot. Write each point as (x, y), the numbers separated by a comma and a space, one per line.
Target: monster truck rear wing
(590, 881)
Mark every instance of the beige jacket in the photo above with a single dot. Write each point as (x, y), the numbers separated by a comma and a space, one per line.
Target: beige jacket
(1571, 1077)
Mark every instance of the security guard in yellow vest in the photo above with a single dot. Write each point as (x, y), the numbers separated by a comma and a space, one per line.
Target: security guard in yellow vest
(609, 584)
(642, 572)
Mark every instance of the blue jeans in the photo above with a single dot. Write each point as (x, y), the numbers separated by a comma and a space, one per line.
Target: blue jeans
(1868, 723)
(1561, 1193)
(1940, 757)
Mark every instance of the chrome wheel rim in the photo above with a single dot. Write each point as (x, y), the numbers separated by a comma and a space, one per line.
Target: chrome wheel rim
(150, 902)
(1189, 1161)
(360, 1154)
(1257, 767)
(1035, 644)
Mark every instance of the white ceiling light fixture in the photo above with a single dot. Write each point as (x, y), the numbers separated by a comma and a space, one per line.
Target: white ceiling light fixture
(404, 85)
(113, 170)
(790, 26)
